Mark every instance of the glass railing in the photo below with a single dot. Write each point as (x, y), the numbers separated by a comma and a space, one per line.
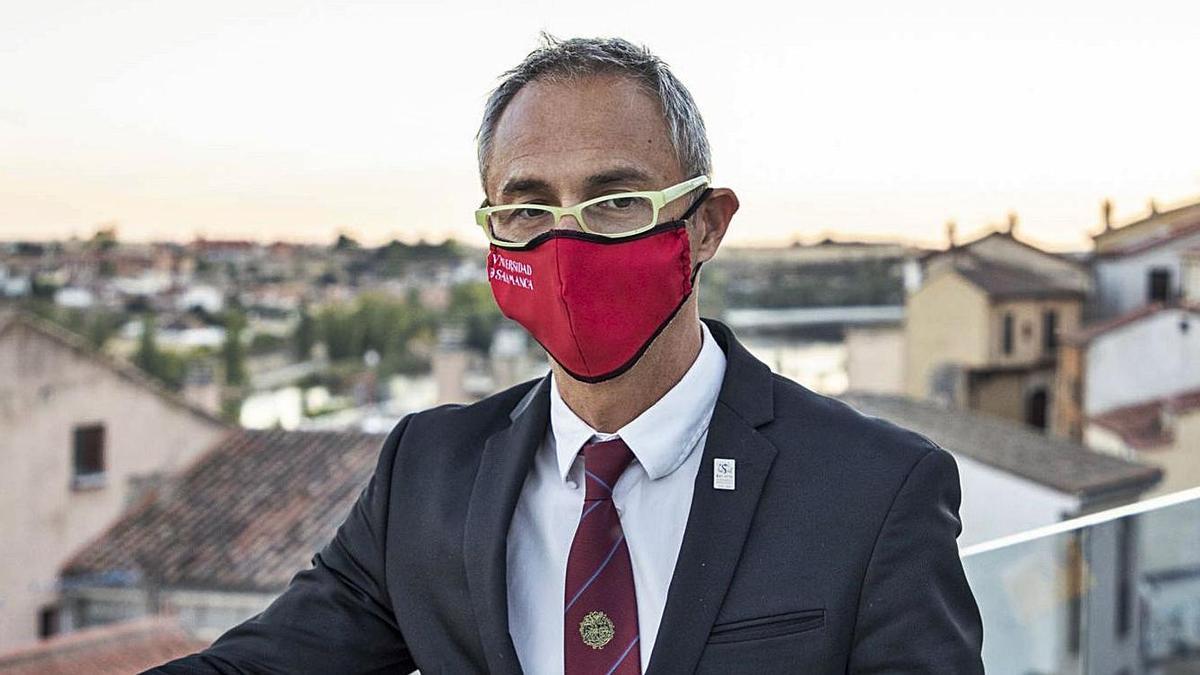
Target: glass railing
(1111, 593)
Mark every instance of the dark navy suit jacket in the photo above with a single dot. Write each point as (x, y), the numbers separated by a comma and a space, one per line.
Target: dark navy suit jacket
(835, 553)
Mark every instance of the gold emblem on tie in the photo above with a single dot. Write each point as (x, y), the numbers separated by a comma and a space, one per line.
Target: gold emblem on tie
(596, 629)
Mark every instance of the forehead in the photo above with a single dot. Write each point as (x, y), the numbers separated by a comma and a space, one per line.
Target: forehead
(562, 131)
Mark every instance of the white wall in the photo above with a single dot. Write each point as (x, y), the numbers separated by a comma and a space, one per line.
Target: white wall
(996, 503)
(46, 389)
(1122, 283)
(1142, 361)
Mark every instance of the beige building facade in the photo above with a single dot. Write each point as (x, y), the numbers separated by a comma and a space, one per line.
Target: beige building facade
(77, 431)
(946, 327)
(875, 359)
(982, 329)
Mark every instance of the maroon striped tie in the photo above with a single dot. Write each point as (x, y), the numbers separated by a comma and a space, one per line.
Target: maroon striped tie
(601, 629)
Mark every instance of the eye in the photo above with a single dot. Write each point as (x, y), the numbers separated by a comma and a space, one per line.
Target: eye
(619, 203)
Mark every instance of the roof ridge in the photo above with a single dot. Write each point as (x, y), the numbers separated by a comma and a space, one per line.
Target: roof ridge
(1087, 333)
(77, 344)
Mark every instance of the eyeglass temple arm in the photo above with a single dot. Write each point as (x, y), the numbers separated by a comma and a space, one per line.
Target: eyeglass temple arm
(676, 191)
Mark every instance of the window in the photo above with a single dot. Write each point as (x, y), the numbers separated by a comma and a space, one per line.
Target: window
(88, 469)
(1008, 333)
(49, 621)
(1049, 331)
(1159, 285)
(1036, 404)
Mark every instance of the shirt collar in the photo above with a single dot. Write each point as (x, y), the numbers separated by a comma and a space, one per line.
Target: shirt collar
(664, 434)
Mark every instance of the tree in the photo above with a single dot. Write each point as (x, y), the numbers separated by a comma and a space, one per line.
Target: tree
(148, 356)
(345, 242)
(471, 304)
(102, 326)
(233, 354)
(164, 366)
(341, 333)
(305, 334)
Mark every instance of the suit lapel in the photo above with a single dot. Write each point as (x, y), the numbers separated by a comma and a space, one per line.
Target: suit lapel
(506, 460)
(719, 519)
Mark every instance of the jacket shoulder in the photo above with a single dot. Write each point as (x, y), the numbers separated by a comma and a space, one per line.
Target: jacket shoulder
(837, 432)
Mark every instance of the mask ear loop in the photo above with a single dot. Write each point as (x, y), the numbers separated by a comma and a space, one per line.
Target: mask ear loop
(691, 211)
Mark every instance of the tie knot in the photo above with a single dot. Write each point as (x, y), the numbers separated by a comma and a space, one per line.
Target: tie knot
(604, 462)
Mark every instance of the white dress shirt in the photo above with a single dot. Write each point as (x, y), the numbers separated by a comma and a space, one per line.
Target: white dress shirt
(653, 498)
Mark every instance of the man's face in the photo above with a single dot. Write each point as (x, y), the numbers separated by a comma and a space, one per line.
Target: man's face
(562, 143)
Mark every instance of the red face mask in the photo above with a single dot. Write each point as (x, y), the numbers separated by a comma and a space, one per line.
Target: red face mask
(595, 303)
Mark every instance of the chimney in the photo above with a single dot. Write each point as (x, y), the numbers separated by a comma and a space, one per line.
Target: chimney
(951, 233)
(1012, 224)
(1153, 207)
(1168, 416)
(1106, 209)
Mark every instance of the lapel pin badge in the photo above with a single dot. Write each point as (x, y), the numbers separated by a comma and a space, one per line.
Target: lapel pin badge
(723, 473)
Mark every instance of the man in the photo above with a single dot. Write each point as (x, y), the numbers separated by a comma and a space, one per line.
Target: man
(660, 502)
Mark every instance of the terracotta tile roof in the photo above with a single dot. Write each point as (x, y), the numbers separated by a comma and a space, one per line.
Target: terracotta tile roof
(1092, 331)
(1008, 282)
(1141, 425)
(249, 514)
(115, 649)
(1056, 463)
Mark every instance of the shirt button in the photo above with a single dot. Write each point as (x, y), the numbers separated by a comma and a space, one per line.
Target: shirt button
(572, 485)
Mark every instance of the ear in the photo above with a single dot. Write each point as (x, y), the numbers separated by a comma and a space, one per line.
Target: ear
(710, 223)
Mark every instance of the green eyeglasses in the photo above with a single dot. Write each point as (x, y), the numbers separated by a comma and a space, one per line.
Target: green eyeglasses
(617, 215)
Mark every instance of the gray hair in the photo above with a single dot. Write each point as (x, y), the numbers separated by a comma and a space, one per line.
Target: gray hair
(591, 56)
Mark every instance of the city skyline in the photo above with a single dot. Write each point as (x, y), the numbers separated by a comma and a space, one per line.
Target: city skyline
(274, 121)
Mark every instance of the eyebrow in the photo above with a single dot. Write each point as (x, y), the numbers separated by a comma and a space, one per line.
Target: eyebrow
(518, 186)
(618, 175)
(521, 185)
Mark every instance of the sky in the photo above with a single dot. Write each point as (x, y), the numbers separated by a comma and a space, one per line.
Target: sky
(855, 120)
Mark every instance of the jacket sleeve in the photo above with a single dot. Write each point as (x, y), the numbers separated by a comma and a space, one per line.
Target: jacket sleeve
(916, 612)
(334, 617)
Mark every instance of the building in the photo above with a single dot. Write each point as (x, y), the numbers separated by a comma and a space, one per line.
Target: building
(117, 649)
(1150, 353)
(1014, 478)
(875, 358)
(1127, 386)
(218, 543)
(1153, 260)
(824, 274)
(982, 327)
(1164, 432)
(79, 433)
